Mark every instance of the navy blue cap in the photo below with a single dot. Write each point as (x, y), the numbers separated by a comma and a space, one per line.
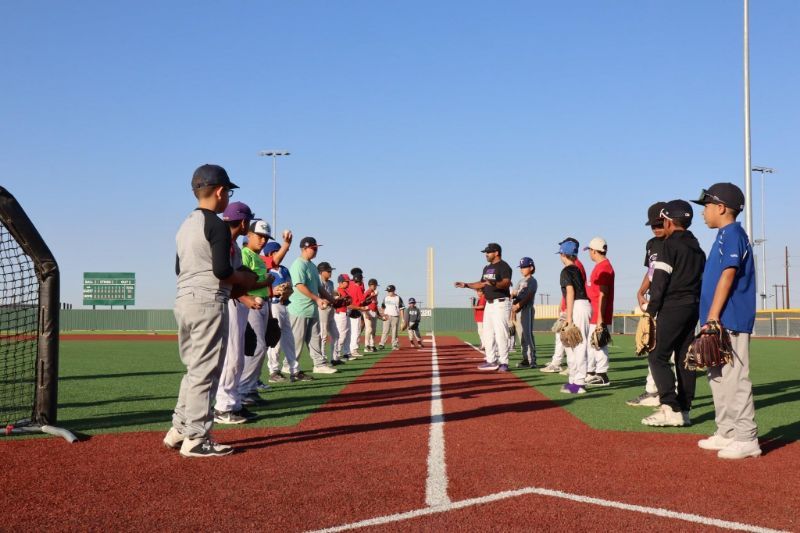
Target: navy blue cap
(654, 214)
(493, 247)
(308, 242)
(412, 301)
(526, 262)
(325, 267)
(726, 194)
(678, 210)
(211, 176)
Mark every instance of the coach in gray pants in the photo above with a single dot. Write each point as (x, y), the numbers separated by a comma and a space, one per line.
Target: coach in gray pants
(305, 305)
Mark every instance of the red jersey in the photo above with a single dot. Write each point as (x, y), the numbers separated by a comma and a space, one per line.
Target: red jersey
(479, 312)
(373, 304)
(602, 274)
(583, 273)
(270, 265)
(356, 293)
(341, 292)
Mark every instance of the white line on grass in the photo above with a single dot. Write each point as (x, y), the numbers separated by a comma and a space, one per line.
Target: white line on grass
(436, 484)
(452, 506)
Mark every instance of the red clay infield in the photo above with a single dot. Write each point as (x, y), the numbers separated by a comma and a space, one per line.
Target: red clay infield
(364, 454)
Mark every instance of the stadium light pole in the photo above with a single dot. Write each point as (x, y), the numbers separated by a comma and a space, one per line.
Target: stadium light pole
(748, 174)
(763, 240)
(274, 154)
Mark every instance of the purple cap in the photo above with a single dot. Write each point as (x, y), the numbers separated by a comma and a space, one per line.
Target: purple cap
(237, 211)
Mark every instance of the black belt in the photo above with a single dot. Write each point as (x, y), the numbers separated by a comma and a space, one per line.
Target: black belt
(497, 300)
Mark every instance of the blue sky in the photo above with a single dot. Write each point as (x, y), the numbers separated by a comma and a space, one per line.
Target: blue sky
(414, 124)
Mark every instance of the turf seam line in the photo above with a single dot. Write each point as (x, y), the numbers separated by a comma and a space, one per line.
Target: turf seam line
(436, 483)
(452, 506)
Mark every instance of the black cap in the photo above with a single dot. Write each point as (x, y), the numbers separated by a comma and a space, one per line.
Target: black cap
(372, 281)
(211, 176)
(726, 194)
(678, 210)
(356, 270)
(492, 247)
(570, 239)
(390, 288)
(325, 267)
(654, 213)
(412, 301)
(308, 242)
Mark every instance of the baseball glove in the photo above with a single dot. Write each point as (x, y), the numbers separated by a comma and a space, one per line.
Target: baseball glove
(645, 335)
(283, 290)
(342, 301)
(512, 330)
(273, 334)
(571, 336)
(710, 348)
(600, 337)
(558, 325)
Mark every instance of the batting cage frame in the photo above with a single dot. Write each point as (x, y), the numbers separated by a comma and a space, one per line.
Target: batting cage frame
(36, 334)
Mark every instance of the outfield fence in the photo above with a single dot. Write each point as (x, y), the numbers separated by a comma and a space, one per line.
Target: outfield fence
(770, 323)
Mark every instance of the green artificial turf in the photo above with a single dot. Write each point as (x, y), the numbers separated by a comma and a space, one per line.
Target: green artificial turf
(112, 386)
(775, 372)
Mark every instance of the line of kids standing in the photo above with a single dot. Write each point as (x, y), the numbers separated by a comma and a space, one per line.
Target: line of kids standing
(683, 288)
(231, 303)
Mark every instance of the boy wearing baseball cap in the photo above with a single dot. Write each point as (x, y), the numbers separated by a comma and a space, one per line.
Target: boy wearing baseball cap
(206, 279)
(523, 308)
(341, 350)
(600, 289)
(728, 296)
(674, 296)
(371, 315)
(393, 311)
(229, 408)
(578, 312)
(413, 317)
(327, 325)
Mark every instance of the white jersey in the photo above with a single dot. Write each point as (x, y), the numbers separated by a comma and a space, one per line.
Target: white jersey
(392, 305)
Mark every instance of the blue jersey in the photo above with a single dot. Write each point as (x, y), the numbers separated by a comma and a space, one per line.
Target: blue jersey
(731, 249)
(281, 275)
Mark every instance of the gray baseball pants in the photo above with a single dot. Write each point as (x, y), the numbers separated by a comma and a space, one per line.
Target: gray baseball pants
(732, 390)
(306, 332)
(202, 338)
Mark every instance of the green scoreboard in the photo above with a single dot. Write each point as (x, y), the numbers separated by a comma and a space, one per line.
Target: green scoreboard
(109, 288)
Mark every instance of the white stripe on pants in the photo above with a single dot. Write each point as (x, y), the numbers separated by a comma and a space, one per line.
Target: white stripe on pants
(576, 357)
(495, 331)
(596, 360)
(228, 398)
(732, 390)
(355, 333)
(342, 347)
(286, 343)
(257, 318)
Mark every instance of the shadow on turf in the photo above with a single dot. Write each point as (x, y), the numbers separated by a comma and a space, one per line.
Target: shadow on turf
(333, 431)
(123, 375)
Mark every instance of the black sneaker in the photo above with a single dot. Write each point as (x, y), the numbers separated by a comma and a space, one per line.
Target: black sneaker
(337, 362)
(523, 364)
(534, 365)
(244, 412)
(252, 399)
(301, 376)
(204, 448)
(380, 346)
(599, 380)
(276, 377)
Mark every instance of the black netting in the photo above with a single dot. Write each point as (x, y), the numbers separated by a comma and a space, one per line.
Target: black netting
(19, 330)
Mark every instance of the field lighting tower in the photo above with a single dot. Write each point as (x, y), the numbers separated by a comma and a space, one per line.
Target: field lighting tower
(274, 154)
(763, 240)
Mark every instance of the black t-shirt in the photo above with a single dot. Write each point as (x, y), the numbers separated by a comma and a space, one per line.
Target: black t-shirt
(571, 275)
(678, 273)
(653, 248)
(496, 272)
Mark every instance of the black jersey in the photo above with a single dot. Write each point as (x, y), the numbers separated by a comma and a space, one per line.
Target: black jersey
(678, 273)
(571, 275)
(652, 250)
(495, 272)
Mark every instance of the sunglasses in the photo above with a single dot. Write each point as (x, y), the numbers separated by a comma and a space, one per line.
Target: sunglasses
(705, 198)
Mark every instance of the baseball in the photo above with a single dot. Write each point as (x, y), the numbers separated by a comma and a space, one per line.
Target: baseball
(644, 308)
(285, 234)
(259, 300)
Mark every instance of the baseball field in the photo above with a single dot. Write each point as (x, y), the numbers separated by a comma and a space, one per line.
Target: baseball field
(400, 440)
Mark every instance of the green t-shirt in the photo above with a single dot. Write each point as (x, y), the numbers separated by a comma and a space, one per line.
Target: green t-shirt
(251, 260)
(304, 272)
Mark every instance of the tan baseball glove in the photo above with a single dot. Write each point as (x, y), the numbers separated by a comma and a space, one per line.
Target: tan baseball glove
(571, 336)
(645, 335)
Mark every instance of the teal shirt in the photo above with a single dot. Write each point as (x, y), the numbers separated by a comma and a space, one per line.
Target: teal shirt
(304, 272)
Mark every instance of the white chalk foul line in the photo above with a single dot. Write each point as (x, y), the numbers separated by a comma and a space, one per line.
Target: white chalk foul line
(655, 511)
(436, 484)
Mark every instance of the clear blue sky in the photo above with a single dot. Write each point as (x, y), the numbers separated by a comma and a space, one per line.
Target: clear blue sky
(411, 124)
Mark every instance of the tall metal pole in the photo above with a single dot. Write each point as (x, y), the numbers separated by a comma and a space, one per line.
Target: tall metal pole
(274, 195)
(786, 251)
(274, 155)
(763, 240)
(748, 179)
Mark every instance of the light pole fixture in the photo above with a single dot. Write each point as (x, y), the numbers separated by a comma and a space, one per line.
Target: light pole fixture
(762, 241)
(274, 154)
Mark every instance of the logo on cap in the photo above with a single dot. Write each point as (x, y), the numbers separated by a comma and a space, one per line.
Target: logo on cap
(526, 262)
(309, 242)
(260, 227)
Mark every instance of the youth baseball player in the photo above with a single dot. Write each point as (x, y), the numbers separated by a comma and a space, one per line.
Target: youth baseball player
(600, 289)
(523, 308)
(393, 311)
